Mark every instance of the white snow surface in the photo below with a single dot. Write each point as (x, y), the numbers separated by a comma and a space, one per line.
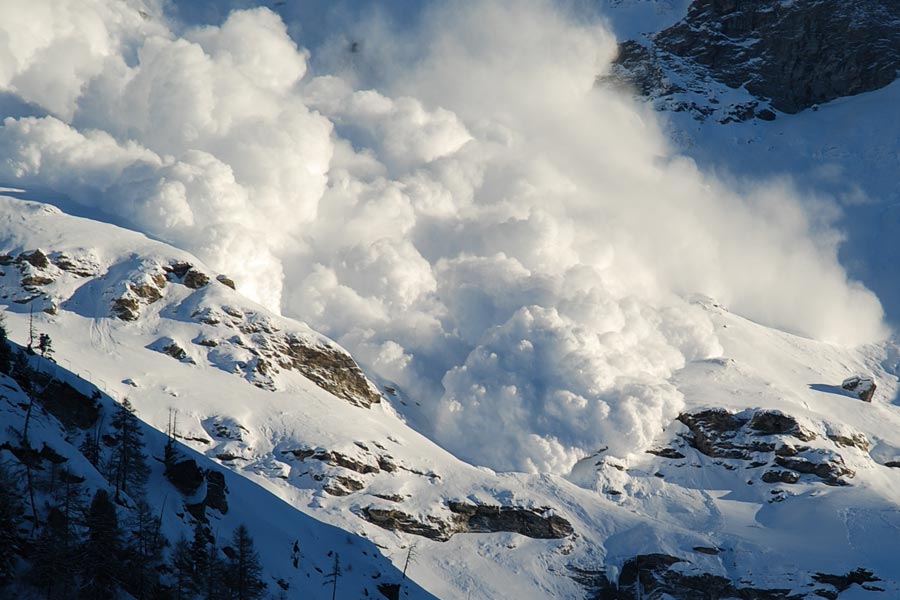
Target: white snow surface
(619, 506)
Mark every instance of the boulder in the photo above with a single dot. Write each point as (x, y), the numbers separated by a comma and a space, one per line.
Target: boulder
(225, 280)
(864, 387)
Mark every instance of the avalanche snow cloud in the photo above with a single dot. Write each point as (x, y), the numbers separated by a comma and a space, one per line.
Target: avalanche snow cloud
(457, 203)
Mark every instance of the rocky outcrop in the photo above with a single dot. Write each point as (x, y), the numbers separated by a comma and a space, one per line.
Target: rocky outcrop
(789, 55)
(715, 432)
(170, 347)
(397, 520)
(462, 517)
(664, 576)
(188, 478)
(840, 583)
(143, 288)
(185, 475)
(829, 468)
(653, 576)
(331, 369)
(339, 472)
(765, 438)
(272, 350)
(541, 524)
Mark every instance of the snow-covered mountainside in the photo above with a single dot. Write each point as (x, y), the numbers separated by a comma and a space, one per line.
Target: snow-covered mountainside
(434, 310)
(721, 73)
(771, 476)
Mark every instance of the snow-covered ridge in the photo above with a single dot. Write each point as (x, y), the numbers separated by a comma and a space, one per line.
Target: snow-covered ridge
(155, 287)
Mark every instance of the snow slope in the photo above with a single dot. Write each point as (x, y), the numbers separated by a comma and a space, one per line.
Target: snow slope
(305, 460)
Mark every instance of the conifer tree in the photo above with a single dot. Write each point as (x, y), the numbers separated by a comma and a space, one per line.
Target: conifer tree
(45, 345)
(208, 566)
(101, 565)
(128, 459)
(144, 548)
(56, 554)
(10, 518)
(183, 566)
(6, 352)
(244, 570)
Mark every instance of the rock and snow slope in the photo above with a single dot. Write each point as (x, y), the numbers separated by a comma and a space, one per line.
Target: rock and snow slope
(800, 488)
(514, 274)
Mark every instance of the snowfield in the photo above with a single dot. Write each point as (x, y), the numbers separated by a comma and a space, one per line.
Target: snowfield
(768, 535)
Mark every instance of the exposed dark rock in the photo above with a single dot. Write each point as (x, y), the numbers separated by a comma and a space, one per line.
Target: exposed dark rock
(335, 459)
(146, 290)
(185, 475)
(396, 520)
(225, 280)
(707, 550)
(71, 407)
(652, 576)
(343, 486)
(36, 259)
(480, 518)
(331, 369)
(390, 497)
(195, 279)
(35, 280)
(327, 366)
(472, 518)
(75, 267)
(713, 433)
(855, 440)
(721, 434)
(830, 471)
(893, 463)
(841, 583)
(216, 491)
(636, 65)
(301, 453)
(391, 591)
(790, 450)
(596, 583)
(127, 309)
(175, 351)
(780, 477)
(739, 112)
(771, 422)
(863, 387)
(151, 291)
(179, 269)
(794, 55)
(666, 452)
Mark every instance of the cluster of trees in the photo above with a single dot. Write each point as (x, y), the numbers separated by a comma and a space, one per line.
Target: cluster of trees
(65, 541)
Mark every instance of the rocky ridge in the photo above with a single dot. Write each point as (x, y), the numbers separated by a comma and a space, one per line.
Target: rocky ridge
(234, 337)
(770, 439)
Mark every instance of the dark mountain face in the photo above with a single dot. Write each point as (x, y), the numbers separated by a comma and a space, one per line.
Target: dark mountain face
(792, 53)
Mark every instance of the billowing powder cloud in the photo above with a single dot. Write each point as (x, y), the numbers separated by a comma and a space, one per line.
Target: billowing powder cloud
(478, 223)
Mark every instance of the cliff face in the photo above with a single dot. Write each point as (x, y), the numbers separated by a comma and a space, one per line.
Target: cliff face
(790, 54)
